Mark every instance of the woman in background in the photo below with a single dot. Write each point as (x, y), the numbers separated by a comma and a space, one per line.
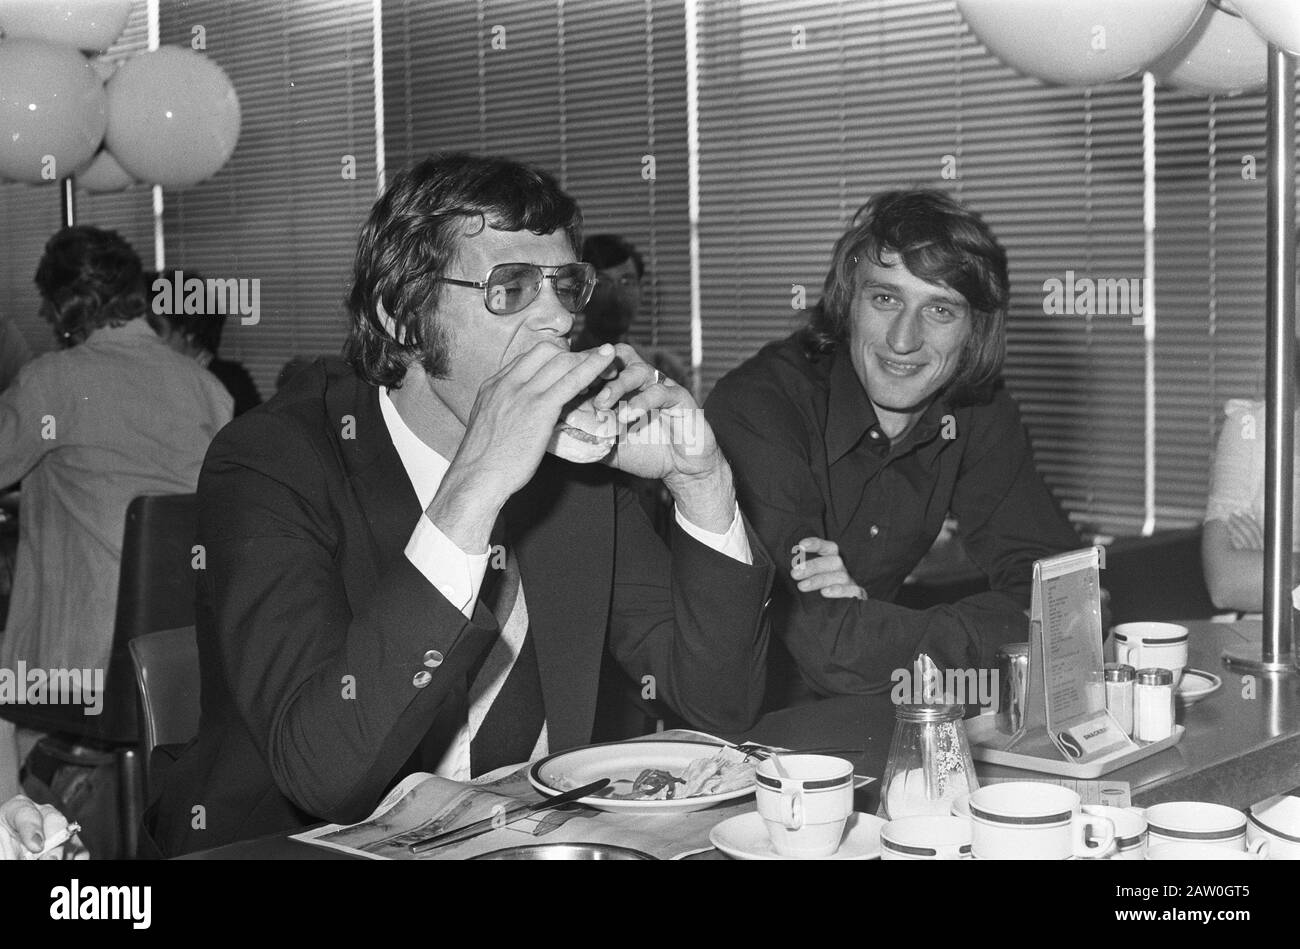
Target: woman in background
(1232, 543)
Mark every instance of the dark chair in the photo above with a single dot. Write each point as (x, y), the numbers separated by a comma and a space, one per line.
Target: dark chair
(167, 676)
(155, 592)
(1157, 578)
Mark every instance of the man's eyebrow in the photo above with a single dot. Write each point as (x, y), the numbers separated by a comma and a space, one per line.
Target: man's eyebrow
(951, 300)
(881, 285)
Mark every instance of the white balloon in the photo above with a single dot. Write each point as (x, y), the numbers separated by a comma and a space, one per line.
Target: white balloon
(103, 174)
(53, 110)
(173, 117)
(85, 24)
(1222, 55)
(1278, 21)
(1079, 42)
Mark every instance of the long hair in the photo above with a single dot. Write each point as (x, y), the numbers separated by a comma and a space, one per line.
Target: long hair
(88, 278)
(940, 241)
(411, 237)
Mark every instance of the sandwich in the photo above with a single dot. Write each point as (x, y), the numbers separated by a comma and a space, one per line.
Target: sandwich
(585, 434)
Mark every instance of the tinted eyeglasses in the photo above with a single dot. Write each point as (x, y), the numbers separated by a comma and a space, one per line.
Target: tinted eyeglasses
(511, 287)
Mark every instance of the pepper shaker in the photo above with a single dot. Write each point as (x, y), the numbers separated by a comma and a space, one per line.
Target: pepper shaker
(1119, 694)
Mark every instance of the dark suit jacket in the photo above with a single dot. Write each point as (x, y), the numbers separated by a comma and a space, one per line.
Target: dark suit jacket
(313, 625)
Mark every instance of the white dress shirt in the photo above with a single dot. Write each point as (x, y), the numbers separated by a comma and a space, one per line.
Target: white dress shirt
(458, 576)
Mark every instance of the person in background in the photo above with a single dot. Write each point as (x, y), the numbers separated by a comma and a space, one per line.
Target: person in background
(14, 353)
(198, 336)
(616, 302)
(114, 413)
(27, 828)
(854, 438)
(1232, 540)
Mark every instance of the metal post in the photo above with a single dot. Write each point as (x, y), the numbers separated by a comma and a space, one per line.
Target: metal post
(1278, 647)
(69, 201)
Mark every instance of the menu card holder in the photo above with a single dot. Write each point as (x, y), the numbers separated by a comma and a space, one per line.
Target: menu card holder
(1064, 728)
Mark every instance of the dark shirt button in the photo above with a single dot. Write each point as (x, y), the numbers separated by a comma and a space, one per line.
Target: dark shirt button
(422, 678)
(433, 659)
(874, 530)
(875, 435)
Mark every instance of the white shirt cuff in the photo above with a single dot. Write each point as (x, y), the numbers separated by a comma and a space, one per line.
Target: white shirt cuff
(734, 543)
(454, 573)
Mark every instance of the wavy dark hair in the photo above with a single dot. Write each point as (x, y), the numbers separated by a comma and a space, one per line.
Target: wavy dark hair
(412, 236)
(942, 242)
(603, 251)
(88, 278)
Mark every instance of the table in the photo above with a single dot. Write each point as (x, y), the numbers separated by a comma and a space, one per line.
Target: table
(1239, 747)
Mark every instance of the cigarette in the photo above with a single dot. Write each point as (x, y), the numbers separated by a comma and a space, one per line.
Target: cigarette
(57, 841)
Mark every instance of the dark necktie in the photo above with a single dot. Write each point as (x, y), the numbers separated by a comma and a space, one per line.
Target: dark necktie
(514, 720)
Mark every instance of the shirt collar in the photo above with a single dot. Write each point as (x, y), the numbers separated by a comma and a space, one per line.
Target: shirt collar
(424, 466)
(850, 414)
(135, 327)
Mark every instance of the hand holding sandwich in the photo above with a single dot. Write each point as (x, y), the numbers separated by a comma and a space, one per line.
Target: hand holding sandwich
(662, 433)
(506, 434)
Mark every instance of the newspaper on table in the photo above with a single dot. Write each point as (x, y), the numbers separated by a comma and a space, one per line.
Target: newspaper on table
(424, 804)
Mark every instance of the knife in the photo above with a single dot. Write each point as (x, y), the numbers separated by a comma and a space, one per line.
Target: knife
(502, 817)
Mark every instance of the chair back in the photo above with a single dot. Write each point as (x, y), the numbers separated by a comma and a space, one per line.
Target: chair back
(167, 675)
(156, 587)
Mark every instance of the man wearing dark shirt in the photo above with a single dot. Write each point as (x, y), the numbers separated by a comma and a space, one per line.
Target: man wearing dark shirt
(854, 438)
(199, 337)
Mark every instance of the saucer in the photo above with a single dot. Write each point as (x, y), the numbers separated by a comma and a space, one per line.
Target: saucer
(745, 837)
(1196, 685)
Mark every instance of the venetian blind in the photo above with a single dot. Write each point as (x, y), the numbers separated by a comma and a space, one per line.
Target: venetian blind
(286, 208)
(593, 91)
(806, 109)
(31, 214)
(809, 108)
(1212, 182)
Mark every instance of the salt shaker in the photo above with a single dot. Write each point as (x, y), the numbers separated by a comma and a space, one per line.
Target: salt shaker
(1153, 704)
(1119, 694)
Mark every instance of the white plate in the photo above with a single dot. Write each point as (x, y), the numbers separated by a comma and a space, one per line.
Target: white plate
(745, 837)
(563, 770)
(1196, 685)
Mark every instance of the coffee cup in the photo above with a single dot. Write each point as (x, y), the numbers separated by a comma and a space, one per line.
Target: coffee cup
(1196, 851)
(926, 838)
(961, 806)
(1027, 820)
(1130, 829)
(1147, 645)
(807, 809)
(1181, 822)
(1276, 820)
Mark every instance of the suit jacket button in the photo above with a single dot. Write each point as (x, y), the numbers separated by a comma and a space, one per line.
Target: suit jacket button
(433, 659)
(422, 678)
(875, 530)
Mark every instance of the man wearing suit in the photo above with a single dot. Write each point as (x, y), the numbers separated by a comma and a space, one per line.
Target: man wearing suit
(398, 576)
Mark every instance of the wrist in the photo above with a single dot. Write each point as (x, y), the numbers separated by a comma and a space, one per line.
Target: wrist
(707, 499)
(465, 511)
